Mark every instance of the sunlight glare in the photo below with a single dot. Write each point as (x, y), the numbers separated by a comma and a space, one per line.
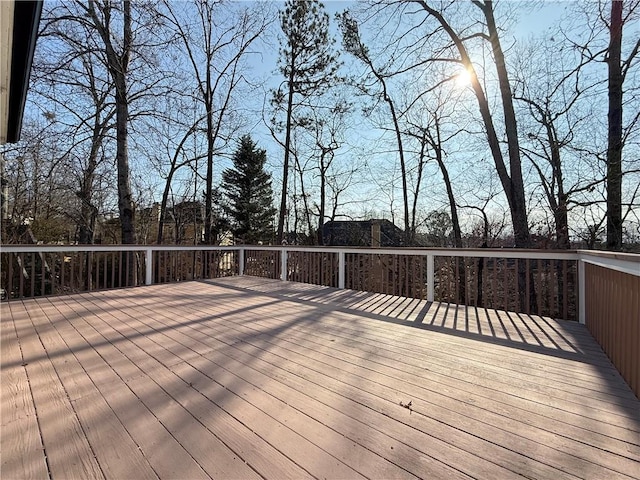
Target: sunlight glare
(463, 78)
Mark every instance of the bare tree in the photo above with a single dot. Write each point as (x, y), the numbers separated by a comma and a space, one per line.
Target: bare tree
(600, 39)
(353, 44)
(180, 154)
(35, 176)
(511, 177)
(617, 72)
(430, 130)
(70, 77)
(118, 47)
(215, 44)
(556, 94)
(322, 136)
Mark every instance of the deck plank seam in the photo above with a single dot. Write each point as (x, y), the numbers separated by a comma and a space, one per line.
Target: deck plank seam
(293, 406)
(319, 371)
(125, 382)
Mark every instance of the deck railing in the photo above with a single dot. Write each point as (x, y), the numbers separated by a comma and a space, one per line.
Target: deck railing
(599, 289)
(611, 308)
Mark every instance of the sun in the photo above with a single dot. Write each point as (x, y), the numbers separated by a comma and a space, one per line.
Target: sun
(462, 78)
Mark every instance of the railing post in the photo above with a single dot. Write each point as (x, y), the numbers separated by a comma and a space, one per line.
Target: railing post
(148, 263)
(241, 261)
(283, 264)
(582, 303)
(341, 265)
(430, 278)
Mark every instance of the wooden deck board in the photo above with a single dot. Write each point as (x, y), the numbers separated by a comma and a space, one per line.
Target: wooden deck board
(20, 444)
(300, 349)
(68, 451)
(251, 378)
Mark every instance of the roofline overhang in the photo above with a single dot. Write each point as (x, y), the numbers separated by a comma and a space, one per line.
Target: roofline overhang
(26, 20)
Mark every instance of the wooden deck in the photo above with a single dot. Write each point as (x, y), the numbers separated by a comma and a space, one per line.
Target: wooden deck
(251, 378)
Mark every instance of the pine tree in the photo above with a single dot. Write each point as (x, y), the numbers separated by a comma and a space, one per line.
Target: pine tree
(247, 188)
(308, 64)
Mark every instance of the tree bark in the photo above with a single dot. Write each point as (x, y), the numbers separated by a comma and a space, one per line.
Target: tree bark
(208, 206)
(88, 211)
(614, 147)
(287, 151)
(119, 71)
(516, 184)
(118, 64)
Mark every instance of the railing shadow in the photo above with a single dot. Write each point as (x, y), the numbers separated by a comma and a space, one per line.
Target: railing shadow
(567, 340)
(571, 341)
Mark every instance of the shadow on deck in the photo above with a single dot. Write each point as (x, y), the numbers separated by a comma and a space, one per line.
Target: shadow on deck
(250, 378)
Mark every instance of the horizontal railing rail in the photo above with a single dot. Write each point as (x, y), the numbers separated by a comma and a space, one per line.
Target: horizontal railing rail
(599, 289)
(532, 281)
(38, 270)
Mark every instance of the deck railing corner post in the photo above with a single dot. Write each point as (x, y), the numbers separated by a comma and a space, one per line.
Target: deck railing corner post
(148, 263)
(341, 272)
(582, 304)
(283, 264)
(430, 277)
(241, 261)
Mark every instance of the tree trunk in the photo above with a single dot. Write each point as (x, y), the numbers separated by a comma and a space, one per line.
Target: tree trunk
(287, 148)
(305, 202)
(125, 197)
(455, 222)
(614, 148)
(118, 64)
(416, 192)
(511, 180)
(323, 195)
(88, 211)
(208, 200)
(403, 169)
(559, 203)
(516, 187)
(163, 207)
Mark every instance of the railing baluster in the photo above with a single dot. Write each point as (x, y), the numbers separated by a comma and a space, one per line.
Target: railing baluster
(22, 274)
(33, 274)
(148, 262)
(283, 264)
(430, 277)
(10, 286)
(565, 292)
(42, 274)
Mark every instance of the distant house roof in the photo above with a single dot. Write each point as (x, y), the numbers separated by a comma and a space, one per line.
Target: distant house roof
(358, 233)
(19, 22)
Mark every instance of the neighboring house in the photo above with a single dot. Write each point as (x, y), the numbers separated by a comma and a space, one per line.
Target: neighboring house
(183, 225)
(362, 233)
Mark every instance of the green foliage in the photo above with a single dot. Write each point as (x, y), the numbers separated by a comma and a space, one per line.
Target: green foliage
(51, 229)
(306, 54)
(247, 188)
(438, 226)
(351, 37)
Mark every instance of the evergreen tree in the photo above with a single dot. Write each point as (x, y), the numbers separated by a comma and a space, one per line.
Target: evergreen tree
(247, 188)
